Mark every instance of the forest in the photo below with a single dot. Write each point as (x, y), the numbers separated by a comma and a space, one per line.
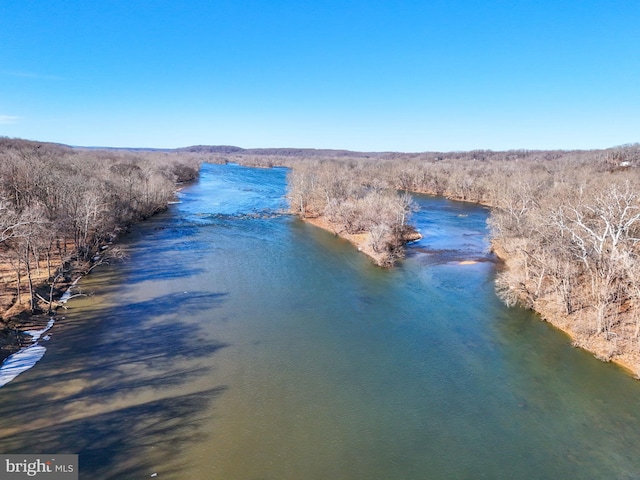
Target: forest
(61, 208)
(565, 225)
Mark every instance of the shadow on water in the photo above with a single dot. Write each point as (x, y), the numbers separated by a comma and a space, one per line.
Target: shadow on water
(116, 444)
(163, 271)
(120, 389)
(162, 253)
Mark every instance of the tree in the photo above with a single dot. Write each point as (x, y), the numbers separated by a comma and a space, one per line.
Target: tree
(603, 235)
(32, 225)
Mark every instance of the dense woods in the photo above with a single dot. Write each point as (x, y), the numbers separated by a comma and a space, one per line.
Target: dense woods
(61, 206)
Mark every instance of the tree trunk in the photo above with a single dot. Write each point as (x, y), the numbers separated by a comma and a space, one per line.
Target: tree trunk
(29, 276)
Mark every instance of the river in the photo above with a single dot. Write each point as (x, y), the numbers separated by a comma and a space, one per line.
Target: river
(240, 343)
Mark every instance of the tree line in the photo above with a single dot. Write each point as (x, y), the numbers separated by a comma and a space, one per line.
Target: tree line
(59, 206)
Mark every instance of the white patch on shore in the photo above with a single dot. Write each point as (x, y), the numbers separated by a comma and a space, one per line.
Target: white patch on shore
(36, 334)
(25, 358)
(67, 294)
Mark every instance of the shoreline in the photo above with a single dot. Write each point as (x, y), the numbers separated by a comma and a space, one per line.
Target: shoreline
(602, 349)
(25, 358)
(628, 362)
(359, 240)
(16, 320)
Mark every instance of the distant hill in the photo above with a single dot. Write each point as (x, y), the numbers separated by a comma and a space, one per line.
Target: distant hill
(211, 149)
(281, 152)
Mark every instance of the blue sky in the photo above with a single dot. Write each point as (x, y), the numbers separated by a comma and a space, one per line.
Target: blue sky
(361, 75)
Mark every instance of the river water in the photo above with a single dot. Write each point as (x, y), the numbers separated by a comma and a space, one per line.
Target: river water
(240, 343)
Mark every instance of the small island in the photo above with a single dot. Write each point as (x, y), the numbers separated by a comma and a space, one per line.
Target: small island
(371, 215)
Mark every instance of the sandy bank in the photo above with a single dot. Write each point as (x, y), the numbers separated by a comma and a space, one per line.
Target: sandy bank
(359, 240)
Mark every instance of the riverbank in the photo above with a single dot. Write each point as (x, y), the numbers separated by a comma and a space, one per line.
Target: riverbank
(16, 317)
(362, 241)
(618, 349)
(359, 240)
(622, 347)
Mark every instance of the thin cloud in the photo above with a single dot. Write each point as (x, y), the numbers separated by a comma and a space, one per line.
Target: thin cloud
(8, 119)
(37, 76)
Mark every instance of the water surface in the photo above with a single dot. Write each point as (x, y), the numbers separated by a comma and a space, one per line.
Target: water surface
(240, 343)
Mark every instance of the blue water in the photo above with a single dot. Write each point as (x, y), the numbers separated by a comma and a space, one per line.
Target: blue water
(240, 343)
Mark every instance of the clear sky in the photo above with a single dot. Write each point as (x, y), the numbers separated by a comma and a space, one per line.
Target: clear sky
(365, 75)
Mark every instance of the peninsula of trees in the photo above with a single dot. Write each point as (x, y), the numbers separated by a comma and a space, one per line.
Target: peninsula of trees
(565, 223)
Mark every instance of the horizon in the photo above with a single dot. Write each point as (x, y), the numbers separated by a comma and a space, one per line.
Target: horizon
(389, 77)
(337, 149)
(374, 152)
